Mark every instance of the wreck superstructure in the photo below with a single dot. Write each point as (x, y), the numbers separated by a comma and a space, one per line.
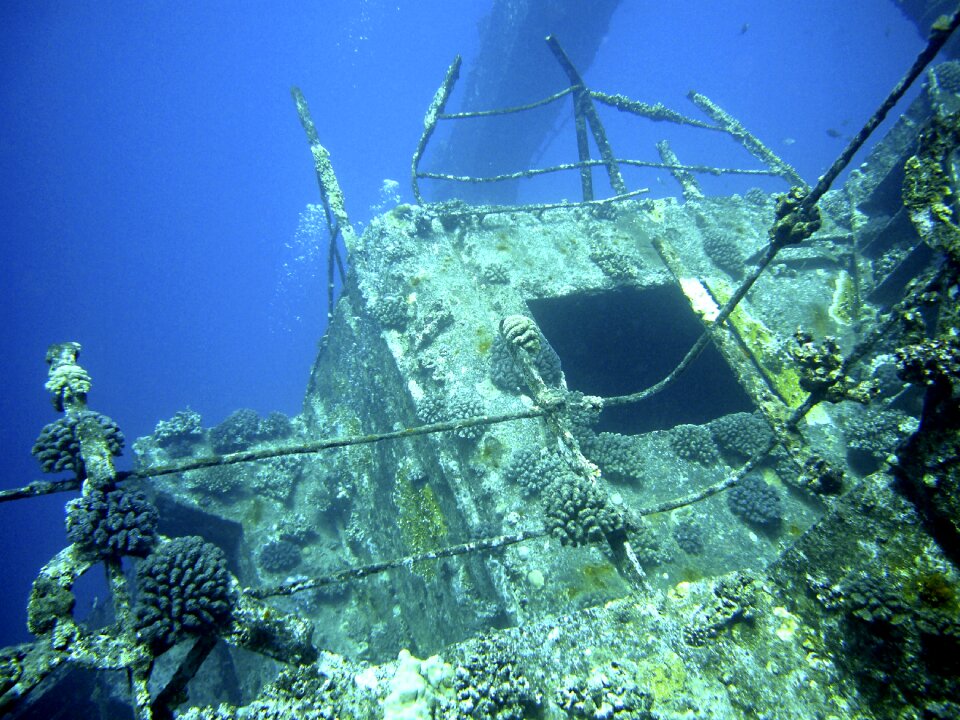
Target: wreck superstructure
(468, 482)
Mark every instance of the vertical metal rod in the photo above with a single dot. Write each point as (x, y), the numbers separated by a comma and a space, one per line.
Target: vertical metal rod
(583, 103)
(583, 150)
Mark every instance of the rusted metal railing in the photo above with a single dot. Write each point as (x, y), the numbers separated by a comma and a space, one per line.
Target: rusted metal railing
(586, 118)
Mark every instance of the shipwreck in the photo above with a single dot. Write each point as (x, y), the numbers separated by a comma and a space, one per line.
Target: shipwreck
(617, 457)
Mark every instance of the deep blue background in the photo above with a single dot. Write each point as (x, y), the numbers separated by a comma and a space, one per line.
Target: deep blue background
(153, 171)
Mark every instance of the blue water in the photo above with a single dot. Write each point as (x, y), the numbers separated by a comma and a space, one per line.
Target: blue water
(154, 170)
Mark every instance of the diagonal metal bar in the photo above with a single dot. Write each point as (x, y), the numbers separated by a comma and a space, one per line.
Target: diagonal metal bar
(749, 141)
(430, 121)
(330, 195)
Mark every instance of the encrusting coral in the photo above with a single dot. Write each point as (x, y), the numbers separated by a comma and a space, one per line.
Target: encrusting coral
(58, 446)
(184, 589)
(113, 522)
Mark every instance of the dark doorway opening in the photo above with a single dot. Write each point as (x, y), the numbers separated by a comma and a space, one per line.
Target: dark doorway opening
(622, 341)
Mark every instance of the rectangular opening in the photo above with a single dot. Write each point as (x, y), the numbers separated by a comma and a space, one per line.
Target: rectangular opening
(622, 341)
